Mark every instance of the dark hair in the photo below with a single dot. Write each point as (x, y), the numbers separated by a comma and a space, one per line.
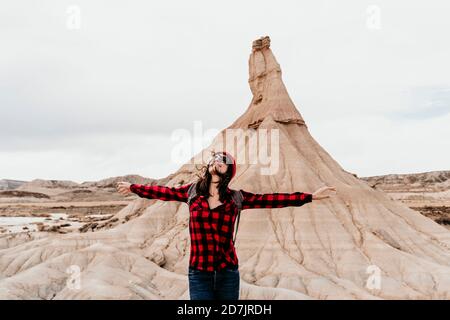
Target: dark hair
(204, 181)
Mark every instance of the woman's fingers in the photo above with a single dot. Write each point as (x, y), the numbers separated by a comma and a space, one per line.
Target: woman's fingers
(321, 193)
(329, 189)
(124, 191)
(123, 187)
(326, 188)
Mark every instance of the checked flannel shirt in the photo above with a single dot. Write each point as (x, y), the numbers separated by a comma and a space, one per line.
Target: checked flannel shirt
(211, 229)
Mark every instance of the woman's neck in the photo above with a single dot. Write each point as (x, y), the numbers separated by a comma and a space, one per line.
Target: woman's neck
(213, 190)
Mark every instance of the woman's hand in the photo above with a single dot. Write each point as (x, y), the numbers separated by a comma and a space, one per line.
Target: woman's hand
(319, 194)
(123, 187)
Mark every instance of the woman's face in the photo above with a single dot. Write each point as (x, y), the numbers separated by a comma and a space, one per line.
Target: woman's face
(217, 166)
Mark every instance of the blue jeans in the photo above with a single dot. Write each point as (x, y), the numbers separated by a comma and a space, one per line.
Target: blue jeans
(214, 285)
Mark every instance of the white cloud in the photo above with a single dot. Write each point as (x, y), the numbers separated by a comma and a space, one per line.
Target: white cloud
(145, 69)
(377, 145)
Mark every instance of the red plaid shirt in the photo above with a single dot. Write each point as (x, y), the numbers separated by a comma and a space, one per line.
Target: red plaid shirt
(211, 230)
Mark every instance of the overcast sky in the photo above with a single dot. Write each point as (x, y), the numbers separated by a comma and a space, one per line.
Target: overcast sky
(94, 89)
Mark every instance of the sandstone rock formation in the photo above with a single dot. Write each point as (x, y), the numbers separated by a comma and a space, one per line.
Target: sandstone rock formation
(322, 250)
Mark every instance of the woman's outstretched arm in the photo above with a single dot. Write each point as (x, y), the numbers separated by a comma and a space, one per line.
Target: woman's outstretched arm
(156, 191)
(274, 200)
(281, 200)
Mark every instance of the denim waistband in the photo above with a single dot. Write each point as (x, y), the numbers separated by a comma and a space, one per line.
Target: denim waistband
(234, 267)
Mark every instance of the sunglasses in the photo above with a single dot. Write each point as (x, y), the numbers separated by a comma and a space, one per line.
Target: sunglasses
(218, 157)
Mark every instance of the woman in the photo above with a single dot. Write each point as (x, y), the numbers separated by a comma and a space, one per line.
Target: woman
(213, 264)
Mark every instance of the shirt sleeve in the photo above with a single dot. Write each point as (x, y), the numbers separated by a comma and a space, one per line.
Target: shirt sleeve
(161, 192)
(274, 200)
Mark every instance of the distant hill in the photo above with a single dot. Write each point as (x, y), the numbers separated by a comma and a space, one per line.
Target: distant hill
(7, 184)
(414, 187)
(66, 190)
